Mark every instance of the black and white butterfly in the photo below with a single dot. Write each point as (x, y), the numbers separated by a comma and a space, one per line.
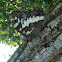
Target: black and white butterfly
(27, 22)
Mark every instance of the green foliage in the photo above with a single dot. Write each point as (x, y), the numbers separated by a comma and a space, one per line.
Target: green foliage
(7, 33)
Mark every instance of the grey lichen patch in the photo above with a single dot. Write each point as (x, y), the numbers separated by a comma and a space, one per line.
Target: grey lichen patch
(54, 23)
(58, 43)
(18, 60)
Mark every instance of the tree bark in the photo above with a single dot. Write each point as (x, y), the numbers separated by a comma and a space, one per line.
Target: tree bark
(47, 47)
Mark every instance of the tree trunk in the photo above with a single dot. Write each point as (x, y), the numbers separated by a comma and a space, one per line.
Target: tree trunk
(47, 47)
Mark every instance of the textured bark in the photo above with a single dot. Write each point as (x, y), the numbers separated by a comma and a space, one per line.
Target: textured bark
(47, 46)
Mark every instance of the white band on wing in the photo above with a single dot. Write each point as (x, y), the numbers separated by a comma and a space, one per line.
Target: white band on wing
(32, 20)
(29, 32)
(16, 24)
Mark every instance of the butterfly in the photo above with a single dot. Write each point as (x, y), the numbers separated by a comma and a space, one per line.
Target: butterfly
(27, 22)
